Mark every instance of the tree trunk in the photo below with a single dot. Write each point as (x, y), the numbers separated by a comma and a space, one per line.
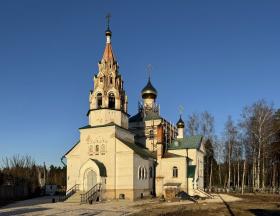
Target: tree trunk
(210, 176)
(263, 171)
(258, 166)
(225, 182)
(243, 176)
(228, 183)
(255, 172)
(220, 177)
(229, 166)
(234, 174)
(273, 176)
(238, 180)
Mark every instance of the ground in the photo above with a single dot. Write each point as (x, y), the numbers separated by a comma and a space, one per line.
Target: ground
(222, 204)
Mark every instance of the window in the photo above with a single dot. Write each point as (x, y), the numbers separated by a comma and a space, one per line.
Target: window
(139, 173)
(90, 150)
(97, 149)
(175, 172)
(111, 101)
(111, 80)
(151, 134)
(142, 173)
(99, 100)
(102, 150)
(145, 173)
(151, 172)
(101, 79)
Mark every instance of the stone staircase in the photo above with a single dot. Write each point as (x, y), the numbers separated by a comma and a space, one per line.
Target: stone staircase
(75, 198)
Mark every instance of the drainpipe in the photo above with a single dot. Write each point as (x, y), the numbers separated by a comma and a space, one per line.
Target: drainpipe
(187, 170)
(61, 159)
(115, 165)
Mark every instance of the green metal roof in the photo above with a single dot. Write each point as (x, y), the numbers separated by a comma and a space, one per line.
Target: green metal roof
(189, 142)
(102, 168)
(136, 118)
(151, 116)
(191, 171)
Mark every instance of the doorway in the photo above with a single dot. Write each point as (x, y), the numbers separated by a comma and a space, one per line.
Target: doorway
(90, 180)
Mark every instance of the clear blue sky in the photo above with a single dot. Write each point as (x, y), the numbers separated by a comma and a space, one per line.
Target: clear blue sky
(207, 55)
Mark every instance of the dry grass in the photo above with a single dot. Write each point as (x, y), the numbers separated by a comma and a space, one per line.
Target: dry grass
(258, 205)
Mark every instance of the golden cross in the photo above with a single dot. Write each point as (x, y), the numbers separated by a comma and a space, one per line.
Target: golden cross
(108, 17)
(149, 70)
(181, 109)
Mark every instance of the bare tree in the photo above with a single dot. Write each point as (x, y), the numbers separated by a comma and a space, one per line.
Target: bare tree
(243, 176)
(258, 121)
(230, 141)
(193, 124)
(219, 155)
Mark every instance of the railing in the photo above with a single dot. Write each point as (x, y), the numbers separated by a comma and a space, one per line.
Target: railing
(69, 192)
(205, 193)
(92, 194)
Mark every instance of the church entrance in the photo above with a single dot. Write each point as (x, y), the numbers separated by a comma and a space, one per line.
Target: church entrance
(90, 180)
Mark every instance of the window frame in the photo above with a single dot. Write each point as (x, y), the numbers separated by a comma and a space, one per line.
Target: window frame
(175, 172)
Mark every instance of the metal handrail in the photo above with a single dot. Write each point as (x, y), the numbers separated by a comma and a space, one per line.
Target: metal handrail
(70, 192)
(73, 189)
(91, 193)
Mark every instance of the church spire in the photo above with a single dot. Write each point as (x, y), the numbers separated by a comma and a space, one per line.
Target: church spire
(108, 54)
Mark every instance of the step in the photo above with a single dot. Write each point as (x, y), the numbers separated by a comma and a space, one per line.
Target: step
(75, 198)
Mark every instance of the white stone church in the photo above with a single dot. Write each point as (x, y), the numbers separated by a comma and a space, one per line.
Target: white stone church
(123, 157)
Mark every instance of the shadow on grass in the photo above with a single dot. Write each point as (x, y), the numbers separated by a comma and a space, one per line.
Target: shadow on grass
(265, 212)
(227, 205)
(22, 211)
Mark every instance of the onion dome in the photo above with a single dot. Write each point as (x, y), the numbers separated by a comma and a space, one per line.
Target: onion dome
(180, 123)
(108, 32)
(149, 91)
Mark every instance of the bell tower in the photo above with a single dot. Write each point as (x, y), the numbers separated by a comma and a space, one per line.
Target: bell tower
(108, 101)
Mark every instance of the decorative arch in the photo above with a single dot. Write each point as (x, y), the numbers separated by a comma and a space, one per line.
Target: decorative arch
(99, 98)
(90, 169)
(112, 100)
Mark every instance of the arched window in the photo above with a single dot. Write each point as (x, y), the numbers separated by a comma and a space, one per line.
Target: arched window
(99, 100)
(90, 150)
(102, 150)
(111, 101)
(139, 173)
(151, 172)
(111, 80)
(142, 172)
(175, 172)
(151, 134)
(101, 79)
(97, 149)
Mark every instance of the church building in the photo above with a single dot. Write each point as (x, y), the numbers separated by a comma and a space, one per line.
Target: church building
(123, 157)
